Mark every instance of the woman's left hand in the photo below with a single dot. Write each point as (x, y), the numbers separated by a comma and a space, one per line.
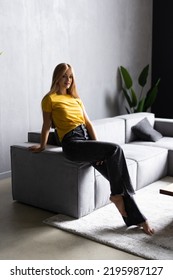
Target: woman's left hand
(36, 148)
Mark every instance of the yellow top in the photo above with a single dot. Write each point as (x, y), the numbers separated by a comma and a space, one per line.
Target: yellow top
(67, 112)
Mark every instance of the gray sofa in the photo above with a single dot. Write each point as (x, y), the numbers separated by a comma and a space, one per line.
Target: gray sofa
(50, 181)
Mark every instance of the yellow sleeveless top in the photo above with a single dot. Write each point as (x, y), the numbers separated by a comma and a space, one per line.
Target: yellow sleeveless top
(67, 112)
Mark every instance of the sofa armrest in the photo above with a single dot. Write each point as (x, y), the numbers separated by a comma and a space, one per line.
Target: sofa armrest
(164, 126)
(50, 181)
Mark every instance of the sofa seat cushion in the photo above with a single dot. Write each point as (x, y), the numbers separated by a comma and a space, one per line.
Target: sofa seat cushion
(164, 142)
(102, 187)
(151, 162)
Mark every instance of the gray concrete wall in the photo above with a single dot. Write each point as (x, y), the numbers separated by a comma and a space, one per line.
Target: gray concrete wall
(95, 36)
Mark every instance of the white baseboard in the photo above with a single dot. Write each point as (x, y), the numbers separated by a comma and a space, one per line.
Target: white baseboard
(4, 175)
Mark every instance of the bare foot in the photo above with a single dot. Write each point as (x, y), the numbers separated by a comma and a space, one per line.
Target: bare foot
(119, 203)
(146, 228)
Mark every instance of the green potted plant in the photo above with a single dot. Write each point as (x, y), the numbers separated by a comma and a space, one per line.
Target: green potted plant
(144, 100)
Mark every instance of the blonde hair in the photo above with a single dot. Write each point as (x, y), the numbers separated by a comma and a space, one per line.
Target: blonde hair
(58, 72)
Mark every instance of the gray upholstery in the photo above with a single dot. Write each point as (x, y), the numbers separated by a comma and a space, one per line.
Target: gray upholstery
(107, 130)
(133, 119)
(49, 181)
(151, 163)
(164, 126)
(145, 131)
(170, 162)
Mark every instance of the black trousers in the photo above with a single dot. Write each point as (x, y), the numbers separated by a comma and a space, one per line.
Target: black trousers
(78, 146)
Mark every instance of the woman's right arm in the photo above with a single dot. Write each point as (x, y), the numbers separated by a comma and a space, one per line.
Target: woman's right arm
(47, 121)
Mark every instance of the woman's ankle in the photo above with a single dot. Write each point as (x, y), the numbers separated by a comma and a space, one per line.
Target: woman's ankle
(116, 197)
(119, 203)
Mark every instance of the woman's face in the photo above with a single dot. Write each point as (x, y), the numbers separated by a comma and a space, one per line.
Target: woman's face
(66, 80)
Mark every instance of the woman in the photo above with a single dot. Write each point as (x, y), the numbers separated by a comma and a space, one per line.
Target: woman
(63, 107)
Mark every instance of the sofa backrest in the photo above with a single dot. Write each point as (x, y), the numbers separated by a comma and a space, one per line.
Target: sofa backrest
(110, 130)
(133, 119)
(53, 139)
(116, 129)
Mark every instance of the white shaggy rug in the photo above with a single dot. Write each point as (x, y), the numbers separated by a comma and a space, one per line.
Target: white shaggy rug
(106, 226)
